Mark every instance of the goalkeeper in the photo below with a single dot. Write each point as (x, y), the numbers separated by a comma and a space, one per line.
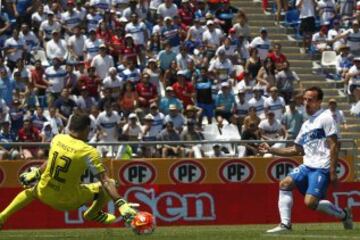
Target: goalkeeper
(58, 181)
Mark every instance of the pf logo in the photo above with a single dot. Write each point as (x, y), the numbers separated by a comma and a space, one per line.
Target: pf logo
(342, 169)
(187, 172)
(280, 168)
(137, 173)
(2, 176)
(236, 171)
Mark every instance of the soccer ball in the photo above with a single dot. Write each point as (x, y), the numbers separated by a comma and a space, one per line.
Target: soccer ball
(143, 223)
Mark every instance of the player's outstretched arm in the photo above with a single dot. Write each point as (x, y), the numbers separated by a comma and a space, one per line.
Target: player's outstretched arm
(295, 150)
(125, 208)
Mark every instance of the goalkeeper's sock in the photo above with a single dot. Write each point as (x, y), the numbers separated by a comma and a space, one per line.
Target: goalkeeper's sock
(285, 204)
(101, 217)
(329, 208)
(20, 201)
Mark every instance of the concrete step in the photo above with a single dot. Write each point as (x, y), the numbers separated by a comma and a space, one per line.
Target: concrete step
(310, 76)
(286, 43)
(273, 29)
(261, 22)
(301, 63)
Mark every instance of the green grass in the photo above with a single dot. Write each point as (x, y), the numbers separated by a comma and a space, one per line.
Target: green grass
(236, 232)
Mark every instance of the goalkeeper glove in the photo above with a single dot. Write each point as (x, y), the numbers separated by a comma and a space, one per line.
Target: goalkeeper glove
(30, 177)
(126, 210)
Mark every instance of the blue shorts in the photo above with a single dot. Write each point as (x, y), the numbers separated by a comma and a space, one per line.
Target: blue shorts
(312, 181)
(208, 109)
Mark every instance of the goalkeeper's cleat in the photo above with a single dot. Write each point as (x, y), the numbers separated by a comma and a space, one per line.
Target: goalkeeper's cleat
(347, 221)
(281, 228)
(101, 217)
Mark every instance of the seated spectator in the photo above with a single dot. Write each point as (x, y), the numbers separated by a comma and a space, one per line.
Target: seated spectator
(175, 117)
(128, 100)
(169, 134)
(46, 133)
(17, 114)
(251, 132)
(271, 129)
(225, 103)
(102, 62)
(337, 115)
(56, 47)
(55, 121)
(166, 56)
(149, 132)
(147, 93)
(253, 64)
(65, 105)
(242, 106)
(285, 80)
(190, 134)
(158, 118)
(319, 40)
(131, 73)
(183, 57)
(211, 39)
(343, 61)
(28, 133)
(8, 152)
(333, 33)
(266, 76)
(85, 101)
(250, 118)
(275, 104)
(184, 90)
(193, 113)
(204, 100)
(246, 85)
(55, 75)
(352, 79)
(132, 130)
(221, 67)
(258, 102)
(170, 75)
(351, 35)
(292, 120)
(114, 82)
(38, 119)
(277, 56)
(154, 73)
(169, 99)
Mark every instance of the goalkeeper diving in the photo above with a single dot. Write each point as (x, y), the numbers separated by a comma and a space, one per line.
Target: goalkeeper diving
(57, 182)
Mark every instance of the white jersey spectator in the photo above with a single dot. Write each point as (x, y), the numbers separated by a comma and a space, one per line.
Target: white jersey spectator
(108, 123)
(137, 31)
(56, 78)
(93, 21)
(92, 46)
(102, 62)
(258, 102)
(71, 19)
(167, 9)
(262, 44)
(56, 48)
(275, 104)
(326, 11)
(212, 37)
(101, 4)
(77, 43)
(114, 82)
(223, 67)
(30, 39)
(47, 28)
(196, 33)
(15, 46)
(307, 8)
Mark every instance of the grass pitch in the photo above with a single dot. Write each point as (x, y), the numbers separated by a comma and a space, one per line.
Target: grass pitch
(236, 232)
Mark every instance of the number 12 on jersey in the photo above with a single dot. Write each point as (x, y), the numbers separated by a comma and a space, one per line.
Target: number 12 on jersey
(57, 167)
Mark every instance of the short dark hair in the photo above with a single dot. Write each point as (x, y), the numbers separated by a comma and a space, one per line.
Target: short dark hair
(79, 122)
(320, 93)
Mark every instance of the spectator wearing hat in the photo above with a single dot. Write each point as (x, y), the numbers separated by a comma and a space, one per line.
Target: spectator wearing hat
(13, 54)
(319, 41)
(258, 102)
(129, 50)
(225, 103)
(147, 92)
(352, 37)
(175, 117)
(211, 39)
(55, 75)
(221, 67)
(285, 80)
(28, 133)
(128, 99)
(337, 115)
(70, 18)
(158, 118)
(154, 72)
(114, 82)
(166, 56)
(292, 120)
(132, 129)
(307, 18)
(343, 61)
(334, 32)
(47, 27)
(193, 113)
(275, 103)
(262, 44)
(271, 128)
(184, 90)
(8, 152)
(102, 62)
(56, 47)
(167, 9)
(149, 133)
(225, 13)
(170, 33)
(169, 134)
(352, 79)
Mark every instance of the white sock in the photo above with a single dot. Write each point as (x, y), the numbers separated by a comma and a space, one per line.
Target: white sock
(285, 204)
(329, 208)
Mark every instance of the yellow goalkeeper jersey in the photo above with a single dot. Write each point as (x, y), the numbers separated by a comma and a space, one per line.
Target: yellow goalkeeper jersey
(60, 184)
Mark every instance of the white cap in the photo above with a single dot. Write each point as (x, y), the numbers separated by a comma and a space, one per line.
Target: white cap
(149, 117)
(225, 84)
(167, 18)
(209, 22)
(132, 115)
(128, 35)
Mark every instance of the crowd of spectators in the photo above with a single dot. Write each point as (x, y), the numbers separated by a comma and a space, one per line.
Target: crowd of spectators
(143, 71)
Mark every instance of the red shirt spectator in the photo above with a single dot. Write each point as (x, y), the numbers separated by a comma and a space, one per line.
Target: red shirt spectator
(146, 91)
(184, 90)
(91, 81)
(276, 55)
(37, 79)
(186, 13)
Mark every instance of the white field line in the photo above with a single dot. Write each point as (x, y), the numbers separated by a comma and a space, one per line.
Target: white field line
(305, 236)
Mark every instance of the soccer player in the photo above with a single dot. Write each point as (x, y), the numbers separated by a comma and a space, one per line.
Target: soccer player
(59, 183)
(317, 142)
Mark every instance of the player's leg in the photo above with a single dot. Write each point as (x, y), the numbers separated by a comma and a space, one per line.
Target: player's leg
(100, 199)
(19, 202)
(296, 178)
(318, 183)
